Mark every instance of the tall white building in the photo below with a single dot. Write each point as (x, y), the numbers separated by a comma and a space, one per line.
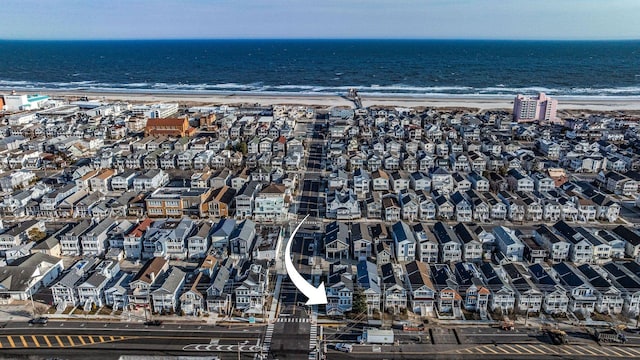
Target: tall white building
(156, 111)
(531, 109)
(16, 102)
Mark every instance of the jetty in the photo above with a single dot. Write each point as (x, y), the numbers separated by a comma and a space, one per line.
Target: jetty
(352, 95)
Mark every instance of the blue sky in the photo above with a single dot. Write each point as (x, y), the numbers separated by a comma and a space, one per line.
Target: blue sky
(458, 19)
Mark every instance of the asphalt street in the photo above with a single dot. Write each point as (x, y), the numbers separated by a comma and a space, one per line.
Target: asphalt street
(109, 340)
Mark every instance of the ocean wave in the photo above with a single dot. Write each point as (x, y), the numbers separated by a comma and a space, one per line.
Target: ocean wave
(365, 89)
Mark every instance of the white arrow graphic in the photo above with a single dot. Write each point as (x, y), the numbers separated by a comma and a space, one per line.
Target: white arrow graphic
(316, 295)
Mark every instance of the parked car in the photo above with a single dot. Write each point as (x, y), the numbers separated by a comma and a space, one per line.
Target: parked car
(344, 347)
(153, 323)
(39, 321)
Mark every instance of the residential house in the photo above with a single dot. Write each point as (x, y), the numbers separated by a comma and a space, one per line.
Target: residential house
(380, 180)
(339, 290)
(581, 248)
(420, 287)
(383, 253)
(65, 291)
(242, 239)
(508, 243)
(361, 242)
(271, 205)
(582, 295)
(17, 234)
(450, 245)
(557, 246)
(344, 205)
(420, 181)
(91, 291)
(369, 281)
(70, 243)
(404, 242)
(448, 299)
(471, 244)
(220, 205)
(623, 277)
(610, 298)
(27, 275)
(503, 296)
(528, 296)
(198, 244)
(426, 244)
(395, 294)
(167, 238)
(444, 208)
(476, 294)
(166, 296)
(218, 300)
(115, 294)
(132, 242)
(220, 232)
(554, 296)
(251, 294)
(94, 241)
(464, 212)
(150, 180)
(336, 240)
(534, 253)
(632, 248)
(140, 285)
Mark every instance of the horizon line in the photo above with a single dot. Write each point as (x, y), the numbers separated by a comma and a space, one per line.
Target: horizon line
(328, 39)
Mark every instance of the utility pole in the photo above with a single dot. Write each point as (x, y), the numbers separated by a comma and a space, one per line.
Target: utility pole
(33, 305)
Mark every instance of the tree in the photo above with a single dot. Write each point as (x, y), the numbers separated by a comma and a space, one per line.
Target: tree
(359, 301)
(242, 147)
(36, 234)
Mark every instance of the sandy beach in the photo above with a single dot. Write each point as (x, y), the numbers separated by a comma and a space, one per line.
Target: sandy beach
(474, 102)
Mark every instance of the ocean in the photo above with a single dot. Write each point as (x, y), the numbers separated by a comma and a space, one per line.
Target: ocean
(383, 67)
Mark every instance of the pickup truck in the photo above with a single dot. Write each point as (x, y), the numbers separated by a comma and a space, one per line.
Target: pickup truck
(610, 335)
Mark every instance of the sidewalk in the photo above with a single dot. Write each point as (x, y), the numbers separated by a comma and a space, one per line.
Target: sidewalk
(273, 310)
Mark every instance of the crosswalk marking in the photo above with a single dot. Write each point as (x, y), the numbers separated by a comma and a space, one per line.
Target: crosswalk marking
(603, 351)
(547, 349)
(563, 350)
(266, 344)
(523, 348)
(46, 339)
(490, 349)
(509, 348)
(292, 320)
(587, 350)
(59, 341)
(35, 341)
(619, 352)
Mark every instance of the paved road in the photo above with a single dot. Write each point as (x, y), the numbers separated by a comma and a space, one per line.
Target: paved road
(109, 340)
(310, 200)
